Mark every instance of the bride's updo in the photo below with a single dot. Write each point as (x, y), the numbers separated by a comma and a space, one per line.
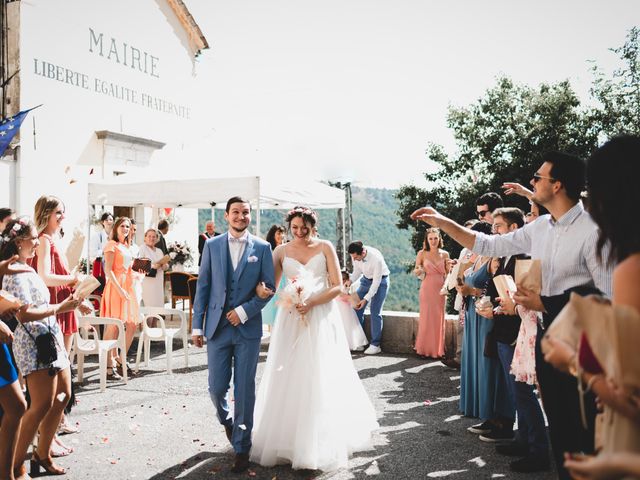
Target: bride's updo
(308, 216)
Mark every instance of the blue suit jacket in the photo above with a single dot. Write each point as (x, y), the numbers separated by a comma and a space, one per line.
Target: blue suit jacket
(255, 266)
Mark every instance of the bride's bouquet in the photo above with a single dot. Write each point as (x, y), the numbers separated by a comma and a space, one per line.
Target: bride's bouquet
(297, 291)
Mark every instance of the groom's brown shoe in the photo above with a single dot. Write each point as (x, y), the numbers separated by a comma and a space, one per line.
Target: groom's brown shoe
(241, 463)
(228, 431)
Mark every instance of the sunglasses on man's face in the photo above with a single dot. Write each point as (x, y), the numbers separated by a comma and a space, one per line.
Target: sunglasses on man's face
(537, 177)
(482, 213)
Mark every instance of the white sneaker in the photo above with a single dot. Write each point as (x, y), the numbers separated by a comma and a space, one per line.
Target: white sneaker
(372, 350)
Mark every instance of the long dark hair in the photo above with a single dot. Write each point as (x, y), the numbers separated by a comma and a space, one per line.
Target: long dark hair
(271, 235)
(612, 185)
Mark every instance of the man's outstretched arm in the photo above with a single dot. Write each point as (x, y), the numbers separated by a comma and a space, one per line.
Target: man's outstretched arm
(460, 234)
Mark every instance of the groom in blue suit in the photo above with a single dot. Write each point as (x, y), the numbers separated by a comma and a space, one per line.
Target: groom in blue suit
(226, 312)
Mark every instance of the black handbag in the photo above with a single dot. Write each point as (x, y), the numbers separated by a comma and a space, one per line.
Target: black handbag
(46, 351)
(152, 272)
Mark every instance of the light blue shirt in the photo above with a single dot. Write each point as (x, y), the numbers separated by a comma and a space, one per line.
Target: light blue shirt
(566, 248)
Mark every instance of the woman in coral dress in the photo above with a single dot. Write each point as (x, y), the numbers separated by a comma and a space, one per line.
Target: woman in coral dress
(433, 262)
(119, 298)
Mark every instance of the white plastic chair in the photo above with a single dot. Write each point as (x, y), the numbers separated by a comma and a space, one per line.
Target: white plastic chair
(89, 343)
(162, 333)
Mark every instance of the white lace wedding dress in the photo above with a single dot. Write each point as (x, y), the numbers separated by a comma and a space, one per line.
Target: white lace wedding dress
(311, 410)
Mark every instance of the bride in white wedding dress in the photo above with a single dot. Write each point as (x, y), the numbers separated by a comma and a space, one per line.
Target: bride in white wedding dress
(311, 410)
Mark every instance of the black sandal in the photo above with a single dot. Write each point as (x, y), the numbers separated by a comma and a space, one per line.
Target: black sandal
(112, 374)
(130, 372)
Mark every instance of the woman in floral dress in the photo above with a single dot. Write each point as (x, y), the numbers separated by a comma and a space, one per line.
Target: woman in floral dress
(48, 377)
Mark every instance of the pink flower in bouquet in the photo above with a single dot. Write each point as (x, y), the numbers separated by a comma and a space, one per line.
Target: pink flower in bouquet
(297, 291)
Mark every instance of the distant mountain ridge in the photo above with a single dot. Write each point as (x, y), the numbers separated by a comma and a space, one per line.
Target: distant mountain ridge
(374, 223)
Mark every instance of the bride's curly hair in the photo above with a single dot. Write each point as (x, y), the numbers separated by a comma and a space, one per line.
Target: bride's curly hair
(308, 216)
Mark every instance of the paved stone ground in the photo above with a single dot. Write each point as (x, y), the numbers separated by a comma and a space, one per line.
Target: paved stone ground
(161, 426)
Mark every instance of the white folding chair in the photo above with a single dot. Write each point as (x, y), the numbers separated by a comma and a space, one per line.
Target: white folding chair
(87, 342)
(162, 332)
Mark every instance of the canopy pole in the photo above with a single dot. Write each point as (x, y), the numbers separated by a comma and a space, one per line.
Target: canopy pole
(258, 209)
(89, 222)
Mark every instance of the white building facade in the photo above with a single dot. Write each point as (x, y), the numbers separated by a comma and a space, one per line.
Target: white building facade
(116, 81)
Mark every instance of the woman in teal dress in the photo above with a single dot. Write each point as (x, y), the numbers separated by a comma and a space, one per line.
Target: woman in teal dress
(275, 237)
(483, 389)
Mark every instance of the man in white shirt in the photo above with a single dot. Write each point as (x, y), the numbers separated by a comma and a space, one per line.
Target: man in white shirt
(369, 266)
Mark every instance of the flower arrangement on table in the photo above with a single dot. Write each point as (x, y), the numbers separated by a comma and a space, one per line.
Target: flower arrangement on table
(179, 253)
(297, 291)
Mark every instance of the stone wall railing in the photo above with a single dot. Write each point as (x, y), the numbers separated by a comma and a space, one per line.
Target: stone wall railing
(400, 329)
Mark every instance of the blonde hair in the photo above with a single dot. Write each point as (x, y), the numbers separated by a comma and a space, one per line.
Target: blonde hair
(45, 206)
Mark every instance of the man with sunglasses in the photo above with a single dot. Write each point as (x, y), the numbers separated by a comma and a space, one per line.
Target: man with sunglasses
(565, 243)
(486, 204)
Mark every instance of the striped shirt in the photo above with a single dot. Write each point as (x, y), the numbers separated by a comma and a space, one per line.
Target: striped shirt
(566, 249)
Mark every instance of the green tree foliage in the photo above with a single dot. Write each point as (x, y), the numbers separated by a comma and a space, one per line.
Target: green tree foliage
(618, 96)
(501, 137)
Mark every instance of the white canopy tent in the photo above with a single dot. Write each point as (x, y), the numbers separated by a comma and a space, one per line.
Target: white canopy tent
(263, 193)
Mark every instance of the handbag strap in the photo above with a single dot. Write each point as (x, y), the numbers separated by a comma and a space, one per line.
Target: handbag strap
(29, 333)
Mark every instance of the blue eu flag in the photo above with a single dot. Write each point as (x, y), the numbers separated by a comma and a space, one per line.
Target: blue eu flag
(9, 127)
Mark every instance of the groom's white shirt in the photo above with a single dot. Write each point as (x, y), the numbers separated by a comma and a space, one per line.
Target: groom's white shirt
(236, 249)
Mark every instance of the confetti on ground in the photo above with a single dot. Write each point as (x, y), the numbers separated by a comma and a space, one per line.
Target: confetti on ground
(452, 418)
(251, 473)
(498, 475)
(444, 473)
(478, 461)
(455, 377)
(426, 403)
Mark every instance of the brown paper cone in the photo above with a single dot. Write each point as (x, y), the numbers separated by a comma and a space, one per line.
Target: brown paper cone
(613, 333)
(529, 275)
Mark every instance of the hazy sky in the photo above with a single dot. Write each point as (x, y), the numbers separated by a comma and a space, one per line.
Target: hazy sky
(355, 89)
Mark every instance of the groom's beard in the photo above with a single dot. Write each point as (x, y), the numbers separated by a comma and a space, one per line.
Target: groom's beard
(239, 230)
